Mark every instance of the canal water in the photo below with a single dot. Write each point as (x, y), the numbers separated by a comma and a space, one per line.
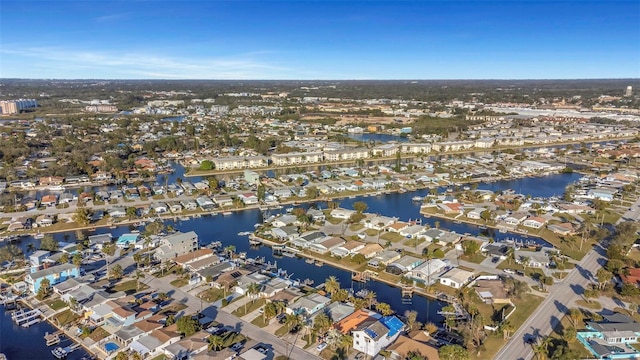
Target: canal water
(18, 343)
(377, 138)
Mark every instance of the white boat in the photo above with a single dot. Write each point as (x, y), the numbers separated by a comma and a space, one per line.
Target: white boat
(38, 235)
(56, 188)
(227, 213)
(418, 198)
(289, 209)
(59, 352)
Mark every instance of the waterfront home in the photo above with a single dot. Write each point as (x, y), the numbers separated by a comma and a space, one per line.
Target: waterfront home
(491, 290)
(97, 241)
(475, 213)
(562, 229)
(601, 194)
(117, 212)
(284, 220)
(427, 271)
(537, 259)
(416, 148)
(404, 345)
(495, 250)
(36, 259)
(175, 189)
(384, 258)
(189, 205)
(244, 281)
(188, 347)
(316, 215)
(535, 222)
(413, 231)
(326, 245)
(212, 273)
(308, 305)
(153, 344)
(66, 286)
(371, 250)
(378, 222)
(44, 220)
(174, 207)
(516, 218)
(223, 200)
(248, 198)
(403, 265)
(49, 200)
(282, 193)
(612, 337)
(128, 334)
(187, 259)
(342, 213)
(351, 322)
(160, 208)
(177, 244)
(451, 207)
(55, 274)
(373, 335)
(398, 226)
(350, 248)
(285, 233)
(205, 203)
(125, 240)
(456, 278)
(337, 311)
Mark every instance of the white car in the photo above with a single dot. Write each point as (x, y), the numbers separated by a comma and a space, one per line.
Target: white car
(321, 346)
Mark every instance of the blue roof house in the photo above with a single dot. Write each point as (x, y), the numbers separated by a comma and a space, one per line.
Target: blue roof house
(55, 274)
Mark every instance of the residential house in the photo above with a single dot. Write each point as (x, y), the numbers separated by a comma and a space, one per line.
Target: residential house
(326, 245)
(374, 335)
(351, 322)
(612, 337)
(337, 311)
(516, 218)
(404, 345)
(371, 250)
(428, 270)
(308, 305)
(49, 200)
(384, 258)
(537, 259)
(456, 278)
(55, 274)
(535, 222)
(205, 203)
(188, 347)
(403, 265)
(248, 198)
(177, 244)
(491, 290)
(348, 249)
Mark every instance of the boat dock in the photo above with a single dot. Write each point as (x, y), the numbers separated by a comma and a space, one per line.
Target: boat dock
(26, 318)
(52, 339)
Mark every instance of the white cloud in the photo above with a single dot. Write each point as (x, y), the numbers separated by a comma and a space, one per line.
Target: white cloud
(68, 63)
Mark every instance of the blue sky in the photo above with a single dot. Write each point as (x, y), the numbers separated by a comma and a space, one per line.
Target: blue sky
(80, 39)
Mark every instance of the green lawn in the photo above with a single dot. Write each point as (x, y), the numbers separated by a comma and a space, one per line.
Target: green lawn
(129, 287)
(211, 295)
(98, 334)
(593, 305)
(66, 317)
(575, 345)
(240, 312)
(259, 322)
(56, 304)
(494, 342)
(475, 258)
(355, 227)
(391, 236)
(179, 282)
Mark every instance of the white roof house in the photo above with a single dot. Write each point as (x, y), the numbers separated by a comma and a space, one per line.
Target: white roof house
(456, 278)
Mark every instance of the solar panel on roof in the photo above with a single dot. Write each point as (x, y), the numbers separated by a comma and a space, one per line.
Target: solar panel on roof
(372, 334)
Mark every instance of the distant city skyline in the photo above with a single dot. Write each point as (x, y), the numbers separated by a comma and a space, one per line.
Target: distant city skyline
(322, 40)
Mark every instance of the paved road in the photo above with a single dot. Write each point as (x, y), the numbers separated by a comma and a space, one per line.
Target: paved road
(195, 304)
(561, 298)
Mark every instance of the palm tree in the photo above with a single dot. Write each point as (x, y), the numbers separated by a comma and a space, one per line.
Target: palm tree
(269, 311)
(116, 272)
(291, 321)
(322, 323)
(31, 247)
(253, 290)
(108, 250)
(370, 298)
(331, 285)
(384, 309)
(138, 275)
(334, 338)
(576, 316)
(216, 342)
(229, 250)
(507, 328)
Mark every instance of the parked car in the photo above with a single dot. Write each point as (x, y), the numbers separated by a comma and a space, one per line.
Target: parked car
(322, 346)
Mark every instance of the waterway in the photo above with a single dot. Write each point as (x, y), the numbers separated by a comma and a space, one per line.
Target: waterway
(18, 343)
(377, 138)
